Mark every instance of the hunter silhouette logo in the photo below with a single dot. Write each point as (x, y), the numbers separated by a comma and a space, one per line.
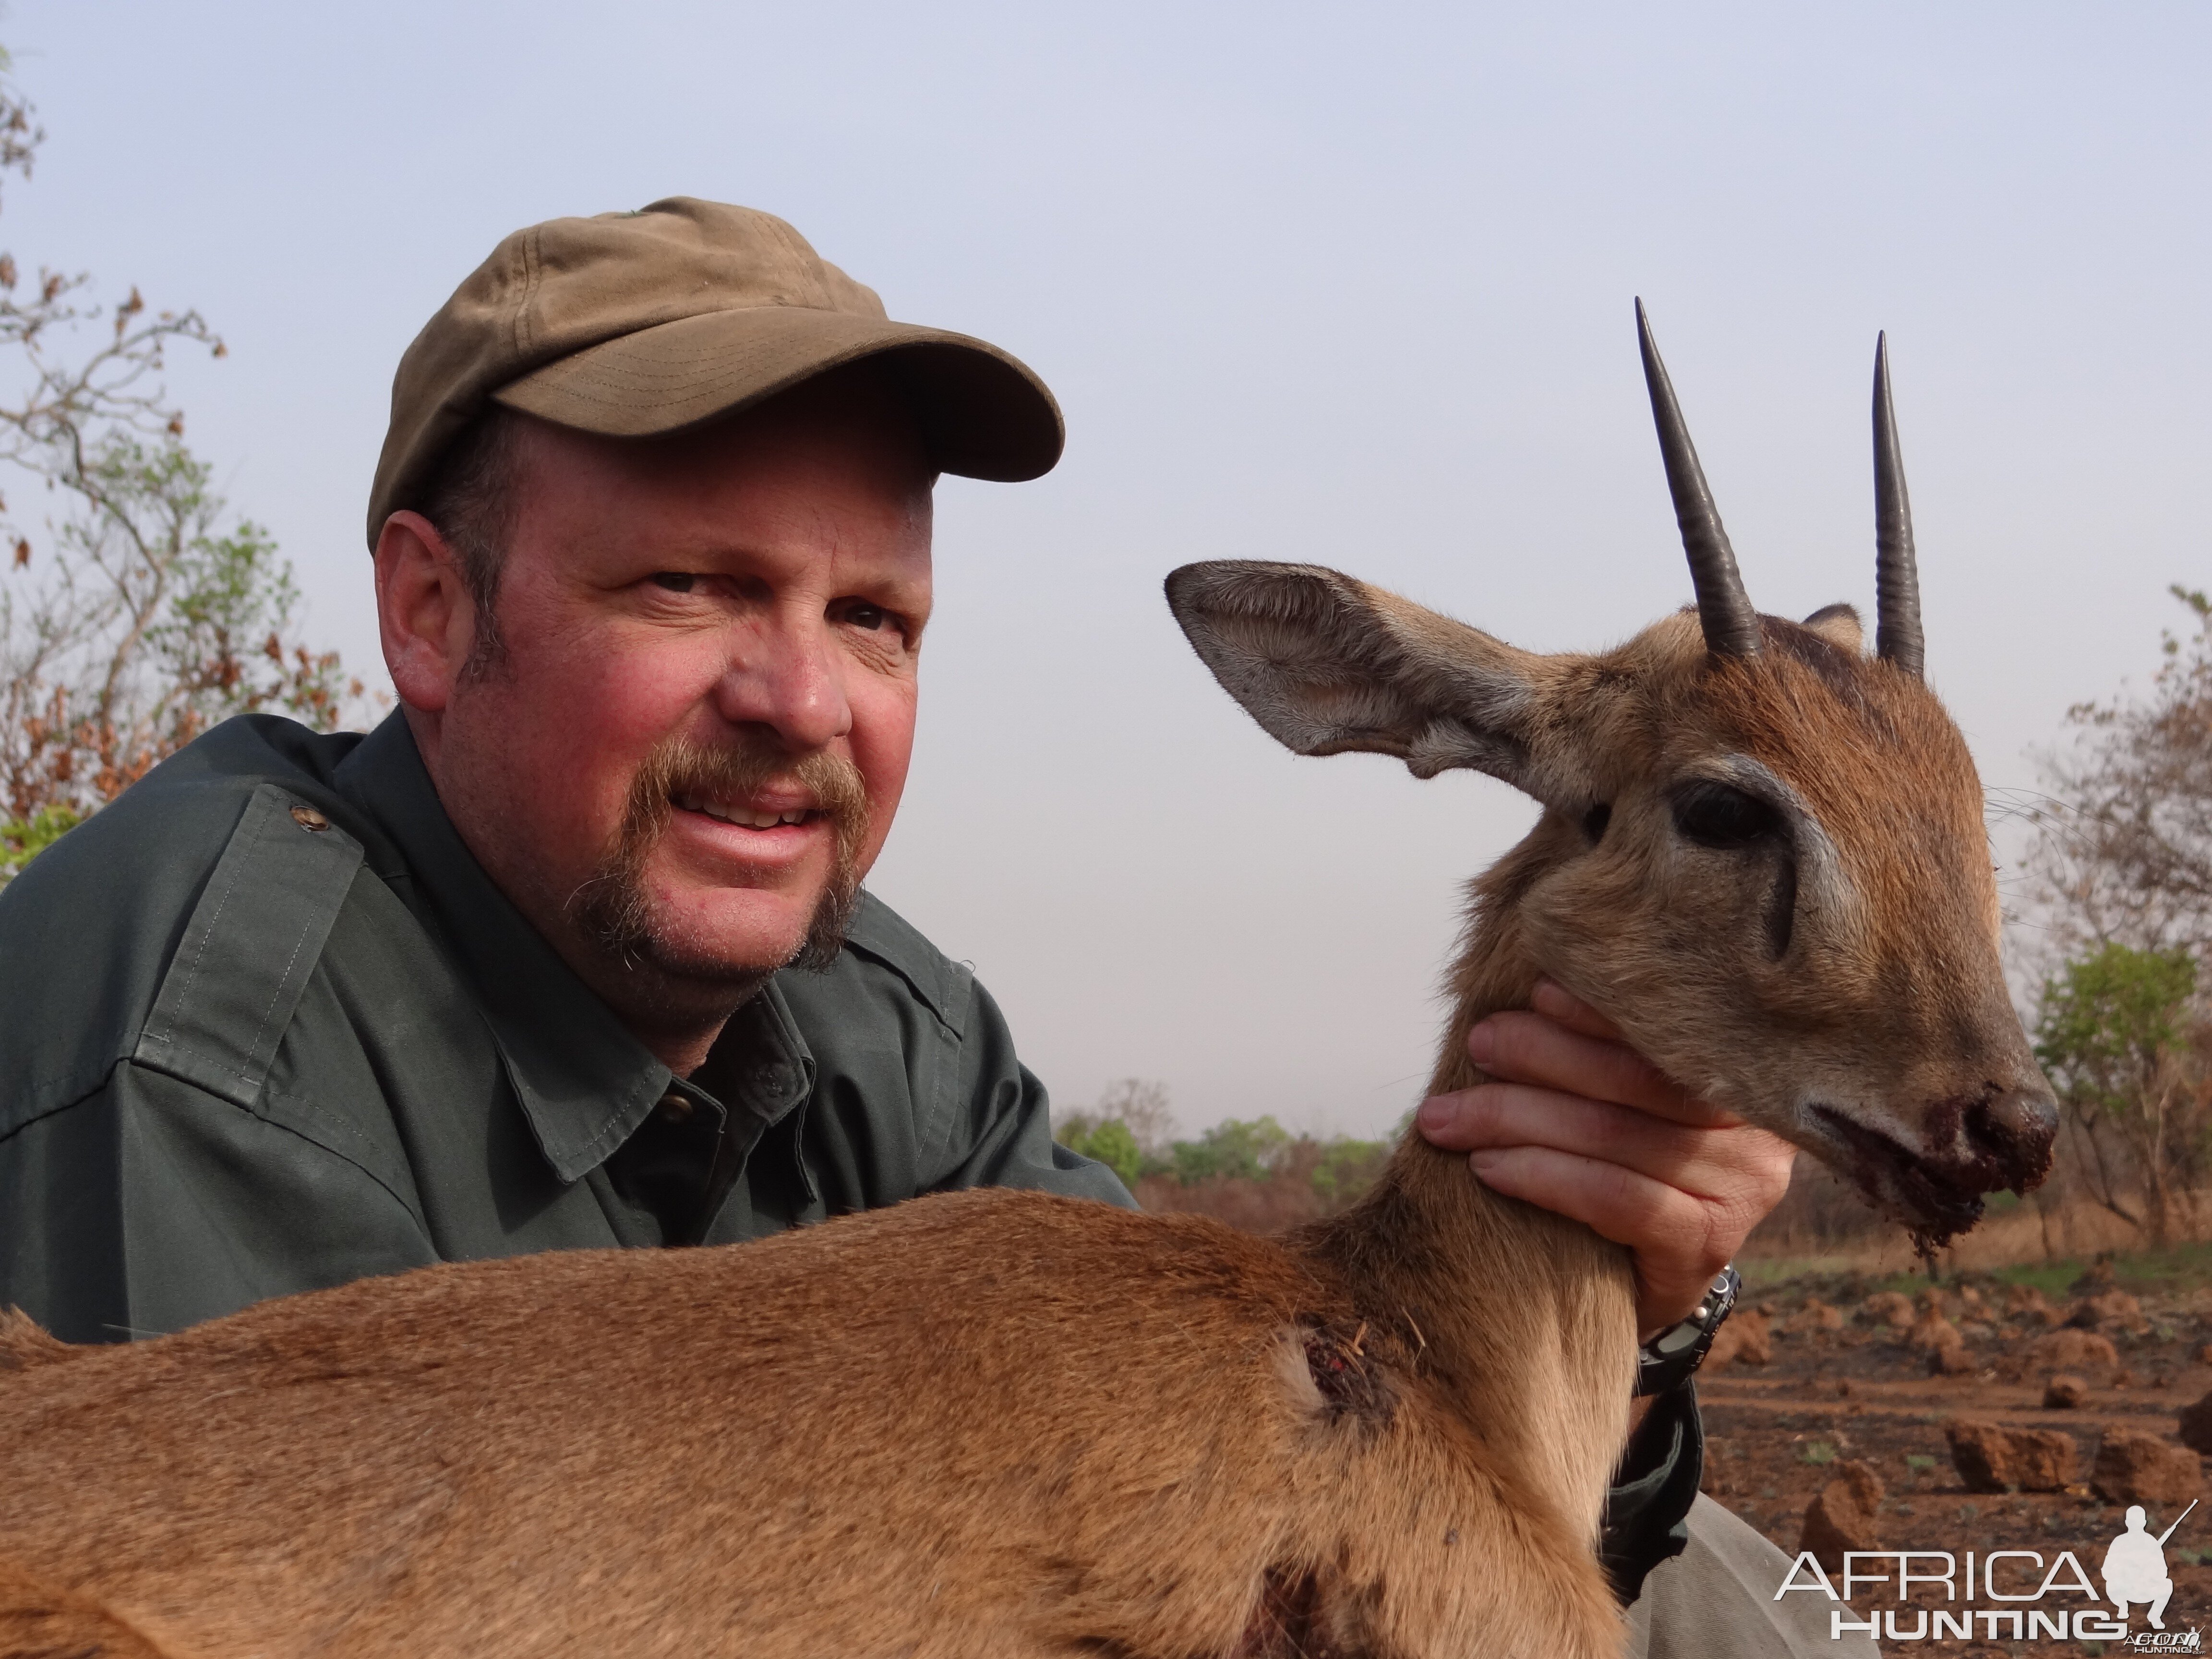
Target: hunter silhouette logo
(2135, 1567)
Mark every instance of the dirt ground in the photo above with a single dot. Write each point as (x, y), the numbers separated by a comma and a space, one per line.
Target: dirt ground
(1847, 1385)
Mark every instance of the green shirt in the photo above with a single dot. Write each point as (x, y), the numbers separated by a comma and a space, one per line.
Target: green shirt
(267, 1025)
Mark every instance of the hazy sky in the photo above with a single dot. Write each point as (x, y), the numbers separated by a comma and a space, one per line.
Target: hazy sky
(1343, 285)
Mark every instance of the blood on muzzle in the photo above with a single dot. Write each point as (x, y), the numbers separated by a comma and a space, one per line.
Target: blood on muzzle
(2013, 1130)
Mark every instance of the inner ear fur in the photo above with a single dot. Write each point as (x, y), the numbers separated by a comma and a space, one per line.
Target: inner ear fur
(1328, 665)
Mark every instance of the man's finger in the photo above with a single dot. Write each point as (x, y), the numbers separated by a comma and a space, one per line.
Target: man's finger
(1613, 1202)
(1533, 1048)
(1499, 1115)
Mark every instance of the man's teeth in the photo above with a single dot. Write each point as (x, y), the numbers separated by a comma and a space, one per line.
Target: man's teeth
(744, 815)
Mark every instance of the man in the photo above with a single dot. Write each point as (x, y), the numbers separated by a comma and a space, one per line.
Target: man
(572, 950)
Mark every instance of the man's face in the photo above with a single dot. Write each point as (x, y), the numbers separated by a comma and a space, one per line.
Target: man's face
(695, 737)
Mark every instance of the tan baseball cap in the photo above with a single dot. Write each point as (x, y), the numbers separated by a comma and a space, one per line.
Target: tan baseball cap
(634, 324)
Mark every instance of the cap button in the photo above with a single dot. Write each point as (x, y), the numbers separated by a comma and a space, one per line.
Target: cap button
(307, 818)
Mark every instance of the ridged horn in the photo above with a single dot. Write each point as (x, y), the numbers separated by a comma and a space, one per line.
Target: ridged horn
(1724, 609)
(1897, 636)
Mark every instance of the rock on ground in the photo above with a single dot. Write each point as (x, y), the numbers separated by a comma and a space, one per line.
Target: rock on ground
(2063, 1393)
(2134, 1467)
(2196, 1426)
(1746, 1339)
(1993, 1459)
(2114, 1310)
(1886, 1308)
(1841, 1517)
(2074, 1350)
(1814, 1316)
(1953, 1358)
(1933, 1331)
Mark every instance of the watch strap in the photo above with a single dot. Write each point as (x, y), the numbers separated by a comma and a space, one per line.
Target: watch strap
(1668, 1360)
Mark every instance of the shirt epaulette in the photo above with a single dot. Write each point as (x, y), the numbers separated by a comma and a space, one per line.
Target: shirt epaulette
(88, 931)
(254, 937)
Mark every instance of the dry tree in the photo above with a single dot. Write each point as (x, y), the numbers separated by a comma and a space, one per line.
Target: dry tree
(134, 612)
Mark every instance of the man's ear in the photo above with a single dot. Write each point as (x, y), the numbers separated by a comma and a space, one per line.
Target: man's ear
(1327, 664)
(423, 611)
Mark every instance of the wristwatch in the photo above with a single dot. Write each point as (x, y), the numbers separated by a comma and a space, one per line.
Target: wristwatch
(1666, 1360)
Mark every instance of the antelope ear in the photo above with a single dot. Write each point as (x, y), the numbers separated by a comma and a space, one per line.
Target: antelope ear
(1327, 664)
(1838, 624)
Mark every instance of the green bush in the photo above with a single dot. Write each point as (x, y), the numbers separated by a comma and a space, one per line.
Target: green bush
(1348, 1168)
(1111, 1144)
(1235, 1149)
(2106, 1019)
(1259, 1150)
(22, 840)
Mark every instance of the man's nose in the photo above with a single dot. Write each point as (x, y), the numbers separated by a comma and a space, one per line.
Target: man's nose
(786, 676)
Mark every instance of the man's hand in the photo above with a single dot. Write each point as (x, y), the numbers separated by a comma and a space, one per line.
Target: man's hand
(1578, 1122)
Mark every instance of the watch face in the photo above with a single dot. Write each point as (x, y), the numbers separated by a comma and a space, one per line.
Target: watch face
(1722, 1298)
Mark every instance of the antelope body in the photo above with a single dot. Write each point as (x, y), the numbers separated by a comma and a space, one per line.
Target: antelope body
(994, 1423)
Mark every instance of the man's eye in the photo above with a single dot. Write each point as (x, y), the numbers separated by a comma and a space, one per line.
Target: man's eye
(676, 581)
(868, 617)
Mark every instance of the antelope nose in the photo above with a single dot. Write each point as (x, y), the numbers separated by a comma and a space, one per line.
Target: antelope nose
(2013, 1130)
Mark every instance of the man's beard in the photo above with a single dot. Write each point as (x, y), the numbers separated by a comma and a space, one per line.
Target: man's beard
(616, 912)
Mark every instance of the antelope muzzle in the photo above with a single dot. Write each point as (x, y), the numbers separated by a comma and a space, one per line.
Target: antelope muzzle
(1999, 1140)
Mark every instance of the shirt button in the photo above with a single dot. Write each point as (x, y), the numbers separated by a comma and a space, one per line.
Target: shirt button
(674, 1108)
(307, 818)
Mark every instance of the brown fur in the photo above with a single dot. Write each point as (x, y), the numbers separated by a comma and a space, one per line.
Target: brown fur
(996, 1423)
(23, 1345)
(38, 1623)
(981, 1424)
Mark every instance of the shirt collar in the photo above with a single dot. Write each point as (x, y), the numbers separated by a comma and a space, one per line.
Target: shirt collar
(584, 1081)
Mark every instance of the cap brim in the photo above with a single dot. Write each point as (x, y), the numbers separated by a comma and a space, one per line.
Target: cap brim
(983, 414)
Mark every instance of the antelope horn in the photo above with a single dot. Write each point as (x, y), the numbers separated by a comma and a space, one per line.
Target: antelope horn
(1724, 607)
(1896, 574)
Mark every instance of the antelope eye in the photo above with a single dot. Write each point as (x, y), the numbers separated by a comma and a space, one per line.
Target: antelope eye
(1719, 816)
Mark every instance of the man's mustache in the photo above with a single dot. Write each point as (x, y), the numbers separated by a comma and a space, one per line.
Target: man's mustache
(680, 769)
(613, 907)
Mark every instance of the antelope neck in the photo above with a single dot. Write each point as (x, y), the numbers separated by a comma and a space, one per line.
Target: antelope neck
(1522, 1319)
